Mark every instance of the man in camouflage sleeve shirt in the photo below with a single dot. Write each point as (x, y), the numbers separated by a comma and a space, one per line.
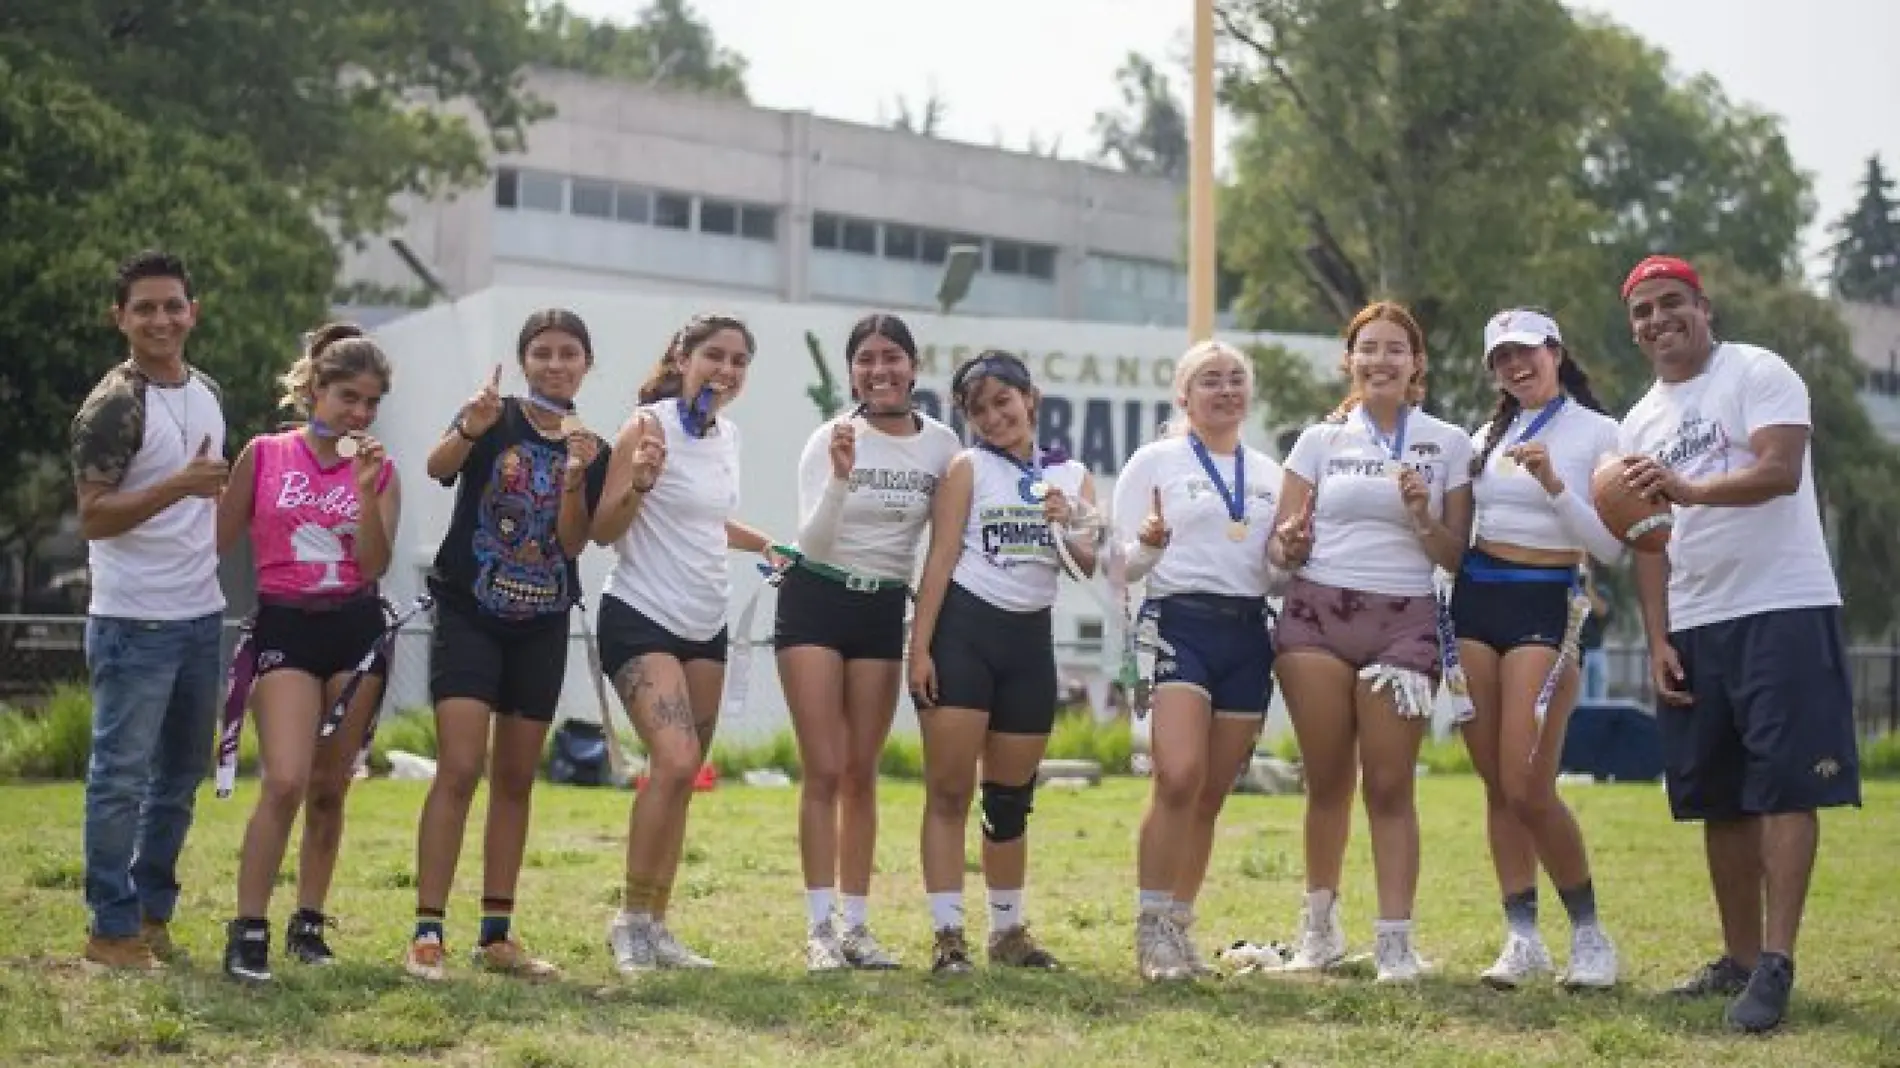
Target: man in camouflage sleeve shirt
(148, 462)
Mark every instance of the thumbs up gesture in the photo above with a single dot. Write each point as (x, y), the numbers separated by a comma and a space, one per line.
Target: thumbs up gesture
(1154, 532)
(204, 474)
(484, 408)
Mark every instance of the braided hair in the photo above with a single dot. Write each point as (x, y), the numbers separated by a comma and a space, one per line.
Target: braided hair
(1572, 380)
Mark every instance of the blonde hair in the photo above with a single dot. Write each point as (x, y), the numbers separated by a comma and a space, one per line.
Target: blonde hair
(334, 352)
(1390, 311)
(1198, 356)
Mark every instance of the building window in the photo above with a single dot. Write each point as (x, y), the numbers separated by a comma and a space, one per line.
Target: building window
(859, 236)
(934, 246)
(1040, 262)
(1006, 257)
(505, 187)
(592, 199)
(633, 204)
(672, 211)
(718, 216)
(900, 242)
(541, 192)
(824, 231)
(758, 223)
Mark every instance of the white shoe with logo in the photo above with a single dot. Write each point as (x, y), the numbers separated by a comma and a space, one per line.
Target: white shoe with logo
(1322, 938)
(1524, 958)
(1593, 963)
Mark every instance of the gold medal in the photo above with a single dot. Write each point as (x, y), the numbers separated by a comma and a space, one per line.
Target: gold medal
(1237, 530)
(346, 447)
(1038, 490)
(1506, 464)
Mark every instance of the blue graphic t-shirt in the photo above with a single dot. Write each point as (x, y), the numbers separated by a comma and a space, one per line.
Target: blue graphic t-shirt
(501, 558)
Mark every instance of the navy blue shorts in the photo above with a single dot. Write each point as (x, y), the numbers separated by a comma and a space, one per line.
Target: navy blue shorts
(1217, 644)
(1505, 605)
(1772, 726)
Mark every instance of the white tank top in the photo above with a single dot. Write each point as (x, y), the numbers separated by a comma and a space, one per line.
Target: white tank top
(672, 560)
(1009, 554)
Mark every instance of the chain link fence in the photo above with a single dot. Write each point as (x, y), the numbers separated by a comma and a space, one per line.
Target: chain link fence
(39, 653)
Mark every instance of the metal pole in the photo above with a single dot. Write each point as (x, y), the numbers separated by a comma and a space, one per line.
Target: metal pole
(1201, 180)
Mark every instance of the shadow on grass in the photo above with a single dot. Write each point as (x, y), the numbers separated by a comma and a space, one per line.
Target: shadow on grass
(376, 1009)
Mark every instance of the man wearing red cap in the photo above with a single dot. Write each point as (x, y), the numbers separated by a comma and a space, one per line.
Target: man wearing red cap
(1744, 625)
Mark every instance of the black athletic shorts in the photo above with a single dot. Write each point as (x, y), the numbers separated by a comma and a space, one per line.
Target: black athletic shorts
(1000, 661)
(322, 642)
(624, 634)
(1505, 605)
(514, 668)
(816, 610)
(1772, 725)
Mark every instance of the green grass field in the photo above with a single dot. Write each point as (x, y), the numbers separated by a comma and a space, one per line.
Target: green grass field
(740, 900)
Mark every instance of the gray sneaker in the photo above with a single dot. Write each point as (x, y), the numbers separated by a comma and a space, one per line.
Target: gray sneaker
(632, 944)
(1721, 977)
(823, 953)
(862, 951)
(1158, 950)
(1764, 1002)
(1184, 929)
(668, 953)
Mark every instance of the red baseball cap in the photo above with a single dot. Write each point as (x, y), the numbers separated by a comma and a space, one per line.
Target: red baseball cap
(1662, 267)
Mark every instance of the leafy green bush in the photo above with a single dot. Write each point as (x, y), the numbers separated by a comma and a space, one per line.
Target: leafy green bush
(53, 741)
(1079, 736)
(902, 758)
(1880, 758)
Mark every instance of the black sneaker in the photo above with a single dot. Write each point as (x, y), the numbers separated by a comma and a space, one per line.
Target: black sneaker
(247, 951)
(1720, 977)
(952, 953)
(1765, 1001)
(303, 939)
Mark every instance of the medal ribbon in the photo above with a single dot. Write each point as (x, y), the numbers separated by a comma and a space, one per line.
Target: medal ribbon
(1235, 501)
(1031, 469)
(1543, 419)
(1395, 444)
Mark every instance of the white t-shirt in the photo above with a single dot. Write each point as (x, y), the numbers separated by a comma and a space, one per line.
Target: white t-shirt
(870, 523)
(166, 568)
(1009, 553)
(672, 560)
(1362, 534)
(1199, 556)
(1726, 563)
(1512, 506)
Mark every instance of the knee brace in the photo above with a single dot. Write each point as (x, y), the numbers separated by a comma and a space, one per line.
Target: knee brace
(1006, 810)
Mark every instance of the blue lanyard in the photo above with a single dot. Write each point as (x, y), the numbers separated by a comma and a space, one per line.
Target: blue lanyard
(697, 417)
(1394, 444)
(548, 404)
(1235, 501)
(1032, 487)
(1543, 419)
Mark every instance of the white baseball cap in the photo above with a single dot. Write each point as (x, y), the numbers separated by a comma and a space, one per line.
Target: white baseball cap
(1519, 326)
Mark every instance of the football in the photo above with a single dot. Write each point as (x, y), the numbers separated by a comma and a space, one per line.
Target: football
(1643, 523)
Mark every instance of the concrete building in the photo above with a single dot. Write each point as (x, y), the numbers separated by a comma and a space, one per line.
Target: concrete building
(633, 188)
(1875, 330)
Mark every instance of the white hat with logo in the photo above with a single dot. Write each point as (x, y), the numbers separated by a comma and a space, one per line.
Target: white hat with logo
(1519, 326)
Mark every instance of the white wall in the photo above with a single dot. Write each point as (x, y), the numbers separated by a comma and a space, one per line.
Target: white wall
(1108, 379)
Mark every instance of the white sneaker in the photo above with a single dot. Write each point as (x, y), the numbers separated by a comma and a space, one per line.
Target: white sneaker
(823, 953)
(1190, 953)
(1523, 959)
(1593, 964)
(861, 950)
(1395, 958)
(1158, 950)
(631, 941)
(1322, 940)
(668, 953)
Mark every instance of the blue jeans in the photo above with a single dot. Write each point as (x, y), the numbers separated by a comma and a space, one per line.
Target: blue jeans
(155, 692)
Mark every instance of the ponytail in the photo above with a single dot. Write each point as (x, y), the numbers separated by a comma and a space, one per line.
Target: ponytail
(333, 352)
(668, 377)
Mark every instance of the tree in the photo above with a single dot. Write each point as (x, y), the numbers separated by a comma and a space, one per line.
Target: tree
(1373, 163)
(1148, 134)
(1376, 161)
(667, 44)
(96, 186)
(925, 120)
(1867, 247)
(339, 100)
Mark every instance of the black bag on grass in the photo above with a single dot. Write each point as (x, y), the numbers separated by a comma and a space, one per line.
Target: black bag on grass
(579, 757)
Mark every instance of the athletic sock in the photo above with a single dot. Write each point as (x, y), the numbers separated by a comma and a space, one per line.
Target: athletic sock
(1006, 909)
(1520, 912)
(857, 911)
(819, 901)
(428, 924)
(1580, 902)
(497, 916)
(946, 909)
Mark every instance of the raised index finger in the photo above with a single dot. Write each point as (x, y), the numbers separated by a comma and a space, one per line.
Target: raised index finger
(1157, 502)
(494, 379)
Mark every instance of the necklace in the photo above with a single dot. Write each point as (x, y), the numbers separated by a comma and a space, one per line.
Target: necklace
(170, 412)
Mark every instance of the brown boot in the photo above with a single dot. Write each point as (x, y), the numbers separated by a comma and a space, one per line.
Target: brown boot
(1015, 947)
(158, 936)
(128, 954)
